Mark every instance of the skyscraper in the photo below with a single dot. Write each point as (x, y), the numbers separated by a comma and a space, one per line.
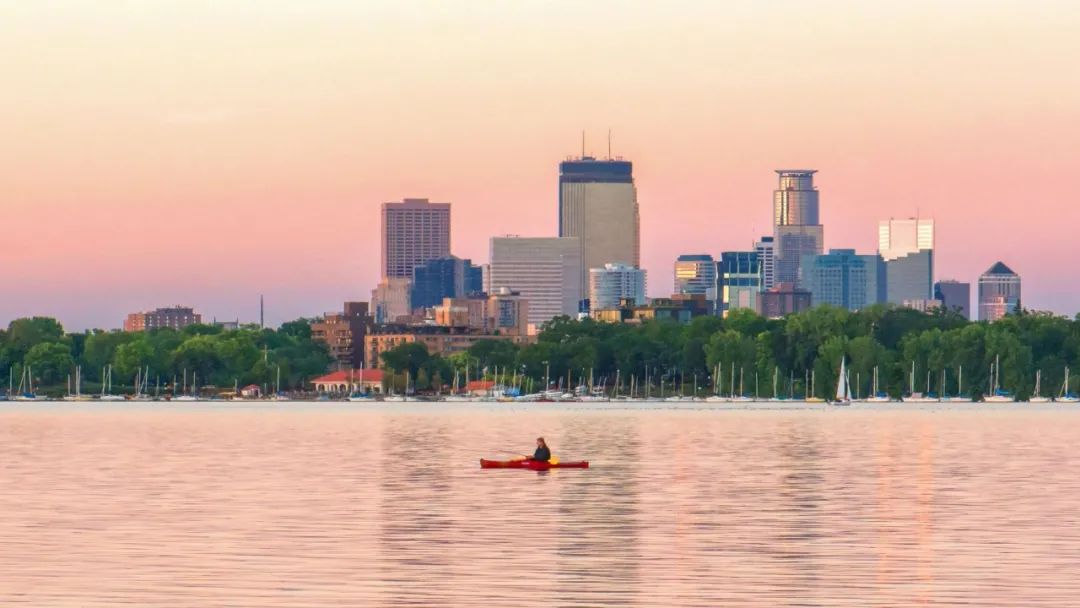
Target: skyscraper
(695, 274)
(897, 238)
(910, 277)
(797, 230)
(766, 253)
(738, 279)
(609, 285)
(954, 295)
(845, 279)
(907, 246)
(546, 271)
(598, 206)
(413, 232)
(449, 277)
(999, 292)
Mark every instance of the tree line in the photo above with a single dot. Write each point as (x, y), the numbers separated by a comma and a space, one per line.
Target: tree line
(209, 354)
(792, 350)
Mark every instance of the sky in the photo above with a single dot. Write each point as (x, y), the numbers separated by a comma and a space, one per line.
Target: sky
(203, 153)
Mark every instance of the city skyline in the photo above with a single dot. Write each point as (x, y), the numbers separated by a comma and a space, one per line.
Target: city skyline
(195, 173)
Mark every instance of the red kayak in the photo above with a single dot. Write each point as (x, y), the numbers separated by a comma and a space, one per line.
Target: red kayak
(532, 465)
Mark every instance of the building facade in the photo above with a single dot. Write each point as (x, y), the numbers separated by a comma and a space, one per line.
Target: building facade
(797, 229)
(955, 296)
(999, 292)
(610, 285)
(449, 277)
(545, 271)
(343, 333)
(174, 317)
(391, 300)
(784, 299)
(766, 253)
(738, 278)
(845, 279)
(695, 274)
(413, 232)
(440, 341)
(598, 206)
(910, 277)
(898, 238)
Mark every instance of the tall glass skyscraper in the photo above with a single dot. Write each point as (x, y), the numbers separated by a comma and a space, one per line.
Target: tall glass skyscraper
(999, 292)
(598, 206)
(449, 277)
(797, 230)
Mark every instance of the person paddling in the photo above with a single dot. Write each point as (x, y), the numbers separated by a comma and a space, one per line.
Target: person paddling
(542, 453)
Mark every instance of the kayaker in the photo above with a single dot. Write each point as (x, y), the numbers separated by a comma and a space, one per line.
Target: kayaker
(542, 453)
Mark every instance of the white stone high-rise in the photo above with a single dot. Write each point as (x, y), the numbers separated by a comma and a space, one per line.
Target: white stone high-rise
(598, 206)
(613, 283)
(545, 271)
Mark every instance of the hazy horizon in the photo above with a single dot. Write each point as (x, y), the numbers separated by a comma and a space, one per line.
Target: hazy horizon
(204, 153)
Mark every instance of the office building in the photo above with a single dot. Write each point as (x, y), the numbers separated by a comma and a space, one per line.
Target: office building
(907, 246)
(766, 254)
(343, 333)
(175, 317)
(610, 285)
(441, 341)
(738, 281)
(545, 271)
(999, 292)
(449, 277)
(797, 230)
(784, 299)
(507, 313)
(413, 232)
(955, 296)
(845, 279)
(898, 238)
(910, 277)
(695, 274)
(391, 300)
(598, 206)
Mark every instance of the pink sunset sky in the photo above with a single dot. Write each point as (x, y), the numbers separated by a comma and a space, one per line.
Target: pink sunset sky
(205, 152)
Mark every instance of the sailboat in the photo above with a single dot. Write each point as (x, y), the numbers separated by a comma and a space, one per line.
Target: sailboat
(1066, 396)
(359, 392)
(1036, 396)
(843, 387)
(876, 395)
(775, 381)
(812, 397)
(916, 397)
(393, 397)
(742, 397)
(77, 394)
(184, 394)
(718, 386)
(996, 394)
(26, 387)
(959, 397)
(106, 386)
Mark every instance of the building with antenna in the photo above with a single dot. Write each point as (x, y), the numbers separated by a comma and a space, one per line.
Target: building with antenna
(598, 206)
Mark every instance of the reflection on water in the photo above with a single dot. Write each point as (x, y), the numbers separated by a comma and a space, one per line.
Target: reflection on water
(385, 505)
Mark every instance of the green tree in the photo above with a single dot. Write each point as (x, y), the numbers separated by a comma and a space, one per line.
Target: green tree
(50, 362)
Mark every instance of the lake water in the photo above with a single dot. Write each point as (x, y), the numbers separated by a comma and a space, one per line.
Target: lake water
(385, 505)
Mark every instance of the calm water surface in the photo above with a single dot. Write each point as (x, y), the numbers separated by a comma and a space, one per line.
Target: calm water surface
(380, 505)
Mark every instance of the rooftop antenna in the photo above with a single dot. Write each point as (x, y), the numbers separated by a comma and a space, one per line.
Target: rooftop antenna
(262, 318)
(609, 144)
(583, 143)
